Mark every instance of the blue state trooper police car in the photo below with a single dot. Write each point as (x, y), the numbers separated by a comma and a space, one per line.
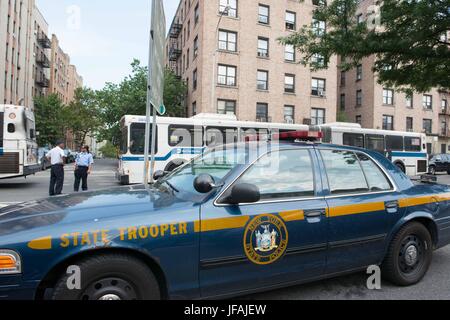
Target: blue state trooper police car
(238, 219)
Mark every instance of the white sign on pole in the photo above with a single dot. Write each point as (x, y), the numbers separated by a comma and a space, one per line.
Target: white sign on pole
(155, 90)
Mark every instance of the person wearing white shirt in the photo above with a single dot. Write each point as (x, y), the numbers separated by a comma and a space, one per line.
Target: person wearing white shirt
(56, 156)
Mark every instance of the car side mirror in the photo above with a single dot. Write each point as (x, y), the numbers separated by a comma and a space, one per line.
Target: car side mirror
(158, 175)
(243, 193)
(204, 183)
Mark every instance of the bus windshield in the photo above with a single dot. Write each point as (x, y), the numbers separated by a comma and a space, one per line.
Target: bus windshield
(218, 162)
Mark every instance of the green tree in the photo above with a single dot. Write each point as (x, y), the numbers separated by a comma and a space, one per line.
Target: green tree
(50, 119)
(82, 115)
(406, 37)
(130, 97)
(175, 91)
(109, 150)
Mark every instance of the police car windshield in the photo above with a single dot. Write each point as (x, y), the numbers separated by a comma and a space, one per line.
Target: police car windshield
(217, 162)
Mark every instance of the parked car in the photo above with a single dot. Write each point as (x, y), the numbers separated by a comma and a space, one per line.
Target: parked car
(45, 163)
(70, 155)
(439, 163)
(245, 218)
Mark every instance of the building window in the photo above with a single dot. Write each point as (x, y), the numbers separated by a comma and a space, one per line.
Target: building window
(194, 108)
(194, 79)
(289, 114)
(262, 112)
(232, 8)
(319, 27)
(388, 97)
(409, 101)
(196, 47)
(444, 105)
(289, 53)
(226, 107)
(263, 47)
(359, 98)
(427, 102)
(342, 102)
(409, 124)
(343, 78)
(317, 116)
(358, 119)
(388, 122)
(359, 72)
(359, 18)
(226, 75)
(263, 14)
(428, 126)
(318, 87)
(291, 20)
(196, 14)
(289, 83)
(263, 80)
(227, 40)
(320, 3)
(318, 60)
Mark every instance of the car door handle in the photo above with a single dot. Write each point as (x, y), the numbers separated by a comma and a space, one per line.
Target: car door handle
(314, 213)
(392, 206)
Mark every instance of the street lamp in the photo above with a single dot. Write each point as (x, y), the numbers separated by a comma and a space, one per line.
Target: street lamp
(213, 82)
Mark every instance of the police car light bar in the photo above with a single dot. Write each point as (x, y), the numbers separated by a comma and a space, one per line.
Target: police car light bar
(298, 135)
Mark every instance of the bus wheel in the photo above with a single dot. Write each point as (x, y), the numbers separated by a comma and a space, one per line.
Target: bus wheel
(401, 167)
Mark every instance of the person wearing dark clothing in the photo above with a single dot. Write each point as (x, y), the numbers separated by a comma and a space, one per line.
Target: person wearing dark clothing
(56, 157)
(83, 167)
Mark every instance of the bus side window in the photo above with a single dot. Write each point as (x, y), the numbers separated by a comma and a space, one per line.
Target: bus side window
(375, 142)
(262, 134)
(394, 143)
(216, 136)
(353, 140)
(185, 136)
(412, 144)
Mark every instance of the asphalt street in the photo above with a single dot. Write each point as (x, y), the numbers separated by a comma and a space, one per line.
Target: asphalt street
(436, 284)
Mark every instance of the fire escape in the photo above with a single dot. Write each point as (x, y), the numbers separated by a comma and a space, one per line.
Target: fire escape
(174, 48)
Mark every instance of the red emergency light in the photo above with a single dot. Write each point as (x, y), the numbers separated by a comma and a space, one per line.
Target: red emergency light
(298, 135)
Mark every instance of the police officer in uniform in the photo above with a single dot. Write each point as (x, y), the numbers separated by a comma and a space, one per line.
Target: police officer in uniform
(83, 167)
(56, 156)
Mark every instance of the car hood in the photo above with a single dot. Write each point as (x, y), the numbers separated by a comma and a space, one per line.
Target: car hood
(85, 207)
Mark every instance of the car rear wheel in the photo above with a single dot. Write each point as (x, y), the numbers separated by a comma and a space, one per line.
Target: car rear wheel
(110, 277)
(401, 167)
(409, 255)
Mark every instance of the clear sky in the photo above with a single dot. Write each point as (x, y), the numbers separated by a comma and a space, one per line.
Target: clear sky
(102, 36)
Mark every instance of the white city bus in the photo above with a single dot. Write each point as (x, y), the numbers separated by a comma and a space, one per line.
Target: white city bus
(407, 150)
(181, 139)
(18, 147)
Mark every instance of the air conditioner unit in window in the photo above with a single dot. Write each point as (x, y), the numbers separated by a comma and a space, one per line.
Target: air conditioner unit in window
(322, 93)
(263, 54)
(290, 121)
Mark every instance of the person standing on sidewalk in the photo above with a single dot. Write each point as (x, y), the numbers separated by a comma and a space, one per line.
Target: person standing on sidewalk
(83, 168)
(56, 156)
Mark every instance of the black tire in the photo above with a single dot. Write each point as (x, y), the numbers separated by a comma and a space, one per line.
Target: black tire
(399, 266)
(432, 170)
(111, 277)
(401, 167)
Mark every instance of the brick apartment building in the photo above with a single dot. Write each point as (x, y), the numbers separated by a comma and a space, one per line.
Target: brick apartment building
(234, 64)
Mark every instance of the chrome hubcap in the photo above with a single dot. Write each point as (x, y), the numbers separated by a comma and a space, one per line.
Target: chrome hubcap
(109, 297)
(411, 256)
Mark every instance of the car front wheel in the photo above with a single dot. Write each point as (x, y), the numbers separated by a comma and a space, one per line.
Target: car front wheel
(110, 277)
(409, 255)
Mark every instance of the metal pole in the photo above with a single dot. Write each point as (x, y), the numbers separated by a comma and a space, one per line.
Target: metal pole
(216, 36)
(149, 105)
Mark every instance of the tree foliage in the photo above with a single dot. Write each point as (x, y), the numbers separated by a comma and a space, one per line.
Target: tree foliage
(82, 115)
(50, 119)
(130, 97)
(406, 38)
